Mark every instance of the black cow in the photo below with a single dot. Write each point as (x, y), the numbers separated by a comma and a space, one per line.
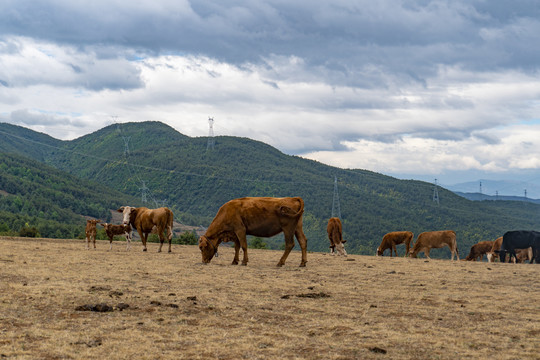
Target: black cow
(520, 239)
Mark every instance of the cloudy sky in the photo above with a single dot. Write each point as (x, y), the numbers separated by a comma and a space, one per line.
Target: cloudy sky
(420, 89)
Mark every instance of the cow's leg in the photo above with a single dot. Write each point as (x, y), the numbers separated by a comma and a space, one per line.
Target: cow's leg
(530, 253)
(87, 243)
(110, 243)
(143, 239)
(169, 236)
(128, 241)
(161, 239)
(241, 235)
(393, 248)
(236, 252)
(94, 240)
(302, 241)
(426, 252)
(289, 244)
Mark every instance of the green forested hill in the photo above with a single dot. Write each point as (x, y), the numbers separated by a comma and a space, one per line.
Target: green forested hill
(35, 195)
(179, 172)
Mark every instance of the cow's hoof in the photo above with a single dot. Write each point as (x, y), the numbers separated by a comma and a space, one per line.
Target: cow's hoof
(234, 263)
(302, 264)
(143, 249)
(170, 251)
(279, 264)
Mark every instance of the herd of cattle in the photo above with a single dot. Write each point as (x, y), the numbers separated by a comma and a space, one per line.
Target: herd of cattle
(267, 216)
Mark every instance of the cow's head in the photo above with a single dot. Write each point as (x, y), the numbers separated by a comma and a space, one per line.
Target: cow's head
(340, 249)
(412, 254)
(490, 256)
(208, 250)
(128, 213)
(379, 252)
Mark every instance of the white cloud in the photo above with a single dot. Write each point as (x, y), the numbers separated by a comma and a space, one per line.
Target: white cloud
(389, 86)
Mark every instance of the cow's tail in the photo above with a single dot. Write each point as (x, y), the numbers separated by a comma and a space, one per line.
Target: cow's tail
(336, 234)
(287, 211)
(170, 218)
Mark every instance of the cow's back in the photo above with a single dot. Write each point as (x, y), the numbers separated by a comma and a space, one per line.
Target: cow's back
(436, 239)
(260, 216)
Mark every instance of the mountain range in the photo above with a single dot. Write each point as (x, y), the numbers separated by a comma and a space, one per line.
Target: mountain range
(152, 164)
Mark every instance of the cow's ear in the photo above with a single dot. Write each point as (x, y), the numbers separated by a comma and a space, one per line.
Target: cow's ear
(121, 209)
(203, 242)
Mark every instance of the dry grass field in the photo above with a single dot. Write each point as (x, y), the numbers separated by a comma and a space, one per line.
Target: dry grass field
(59, 301)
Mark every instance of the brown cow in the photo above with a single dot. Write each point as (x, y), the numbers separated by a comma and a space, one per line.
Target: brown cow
(257, 216)
(144, 219)
(91, 232)
(112, 230)
(390, 240)
(435, 240)
(335, 235)
(492, 254)
(478, 250)
(523, 255)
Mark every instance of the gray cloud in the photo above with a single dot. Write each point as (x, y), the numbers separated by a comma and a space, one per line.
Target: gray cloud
(407, 37)
(305, 76)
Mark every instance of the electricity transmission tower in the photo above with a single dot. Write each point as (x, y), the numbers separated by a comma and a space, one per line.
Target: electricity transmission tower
(435, 193)
(211, 141)
(336, 210)
(126, 144)
(144, 191)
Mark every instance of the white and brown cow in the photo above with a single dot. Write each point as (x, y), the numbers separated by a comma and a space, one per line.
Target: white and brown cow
(144, 219)
(90, 232)
(435, 240)
(492, 254)
(335, 235)
(390, 240)
(124, 230)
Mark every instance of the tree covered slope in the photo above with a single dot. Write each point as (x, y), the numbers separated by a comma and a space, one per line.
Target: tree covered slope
(176, 170)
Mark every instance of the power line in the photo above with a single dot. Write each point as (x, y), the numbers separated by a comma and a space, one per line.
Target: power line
(336, 209)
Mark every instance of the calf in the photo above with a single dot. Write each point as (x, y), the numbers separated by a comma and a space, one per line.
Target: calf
(520, 239)
(335, 236)
(478, 250)
(90, 232)
(112, 230)
(435, 240)
(523, 255)
(390, 240)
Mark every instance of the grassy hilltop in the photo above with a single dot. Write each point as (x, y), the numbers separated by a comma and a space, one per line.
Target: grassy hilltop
(179, 172)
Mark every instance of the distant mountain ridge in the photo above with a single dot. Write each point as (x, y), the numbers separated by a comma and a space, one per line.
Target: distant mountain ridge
(498, 188)
(169, 168)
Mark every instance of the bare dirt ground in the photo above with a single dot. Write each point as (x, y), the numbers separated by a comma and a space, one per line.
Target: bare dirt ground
(59, 301)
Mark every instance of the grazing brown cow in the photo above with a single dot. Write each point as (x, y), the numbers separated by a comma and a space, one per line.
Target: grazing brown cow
(478, 250)
(335, 235)
(435, 240)
(144, 219)
(492, 254)
(90, 232)
(112, 230)
(257, 216)
(524, 255)
(390, 240)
